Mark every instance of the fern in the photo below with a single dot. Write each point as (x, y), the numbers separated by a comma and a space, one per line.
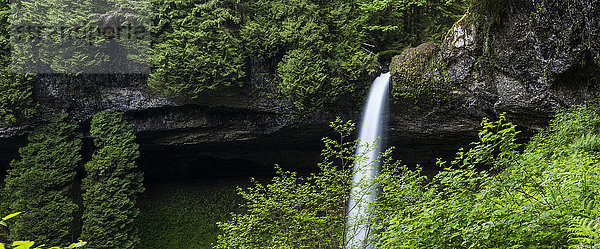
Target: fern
(585, 228)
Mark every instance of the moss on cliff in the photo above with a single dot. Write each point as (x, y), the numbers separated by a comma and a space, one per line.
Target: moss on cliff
(419, 77)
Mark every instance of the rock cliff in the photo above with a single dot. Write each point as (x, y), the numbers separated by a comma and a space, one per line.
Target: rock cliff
(529, 59)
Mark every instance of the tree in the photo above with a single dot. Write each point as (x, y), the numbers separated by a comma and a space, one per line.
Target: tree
(112, 184)
(16, 103)
(195, 46)
(393, 25)
(40, 182)
(79, 36)
(312, 47)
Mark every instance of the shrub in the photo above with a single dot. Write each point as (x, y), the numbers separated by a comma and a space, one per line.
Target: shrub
(20, 244)
(539, 199)
(295, 211)
(40, 182)
(111, 185)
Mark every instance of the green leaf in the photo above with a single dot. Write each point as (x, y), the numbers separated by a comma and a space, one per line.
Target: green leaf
(22, 244)
(77, 245)
(10, 216)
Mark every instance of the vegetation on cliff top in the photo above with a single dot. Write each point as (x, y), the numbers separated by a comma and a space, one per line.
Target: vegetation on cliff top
(322, 53)
(16, 102)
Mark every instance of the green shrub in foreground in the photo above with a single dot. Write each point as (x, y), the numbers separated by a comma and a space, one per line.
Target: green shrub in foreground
(26, 244)
(544, 195)
(295, 211)
(539, 199)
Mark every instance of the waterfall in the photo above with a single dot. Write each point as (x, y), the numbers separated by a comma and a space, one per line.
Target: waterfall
(363, 192)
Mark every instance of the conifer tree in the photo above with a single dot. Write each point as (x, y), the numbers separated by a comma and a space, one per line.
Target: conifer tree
(16, 102)
(41, 181)
(195, 46)
(111, 185)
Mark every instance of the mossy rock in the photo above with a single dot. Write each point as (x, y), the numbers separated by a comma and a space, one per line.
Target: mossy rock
(419, 76)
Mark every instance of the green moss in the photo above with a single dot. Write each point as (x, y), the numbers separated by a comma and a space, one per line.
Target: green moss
(184, 214)
(419, 76)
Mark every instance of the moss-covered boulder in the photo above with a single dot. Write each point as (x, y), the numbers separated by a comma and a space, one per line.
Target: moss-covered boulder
(419, 76)
(527, 58)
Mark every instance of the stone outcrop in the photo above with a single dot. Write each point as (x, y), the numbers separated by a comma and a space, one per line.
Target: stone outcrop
(528, 59)
(247, 127)
(533, 58)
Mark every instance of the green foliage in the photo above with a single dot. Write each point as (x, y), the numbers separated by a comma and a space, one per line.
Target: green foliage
(112, 184)
(15, 91)
(421, 214)
(303, 76)
(586, 230)
(539, 199)
(183, 214)
(392, 25)
(40, 182)
(295, 211)
(29, 244)
(16, 103)
(60, 36)
(313, 47)
(321, 52)
(195, 46)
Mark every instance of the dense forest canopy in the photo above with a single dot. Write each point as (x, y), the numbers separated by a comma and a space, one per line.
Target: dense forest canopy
(320, 52)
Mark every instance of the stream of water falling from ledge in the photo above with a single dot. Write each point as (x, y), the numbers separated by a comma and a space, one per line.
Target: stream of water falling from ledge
(366, 166)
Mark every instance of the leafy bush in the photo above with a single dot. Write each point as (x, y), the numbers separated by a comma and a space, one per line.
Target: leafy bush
(295, 211)
(111, 185)
(497, 194)
(539, 199)
(40, 183)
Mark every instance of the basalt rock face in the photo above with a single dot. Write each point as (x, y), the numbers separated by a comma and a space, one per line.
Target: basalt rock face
(527, 59)
(227, 131)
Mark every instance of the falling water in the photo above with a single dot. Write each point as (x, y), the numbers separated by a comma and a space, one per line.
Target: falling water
(363, 193)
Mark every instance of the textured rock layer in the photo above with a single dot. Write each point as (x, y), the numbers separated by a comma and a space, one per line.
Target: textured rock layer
(529, 59)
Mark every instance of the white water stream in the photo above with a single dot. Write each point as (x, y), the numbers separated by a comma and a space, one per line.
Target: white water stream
(363, 193)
